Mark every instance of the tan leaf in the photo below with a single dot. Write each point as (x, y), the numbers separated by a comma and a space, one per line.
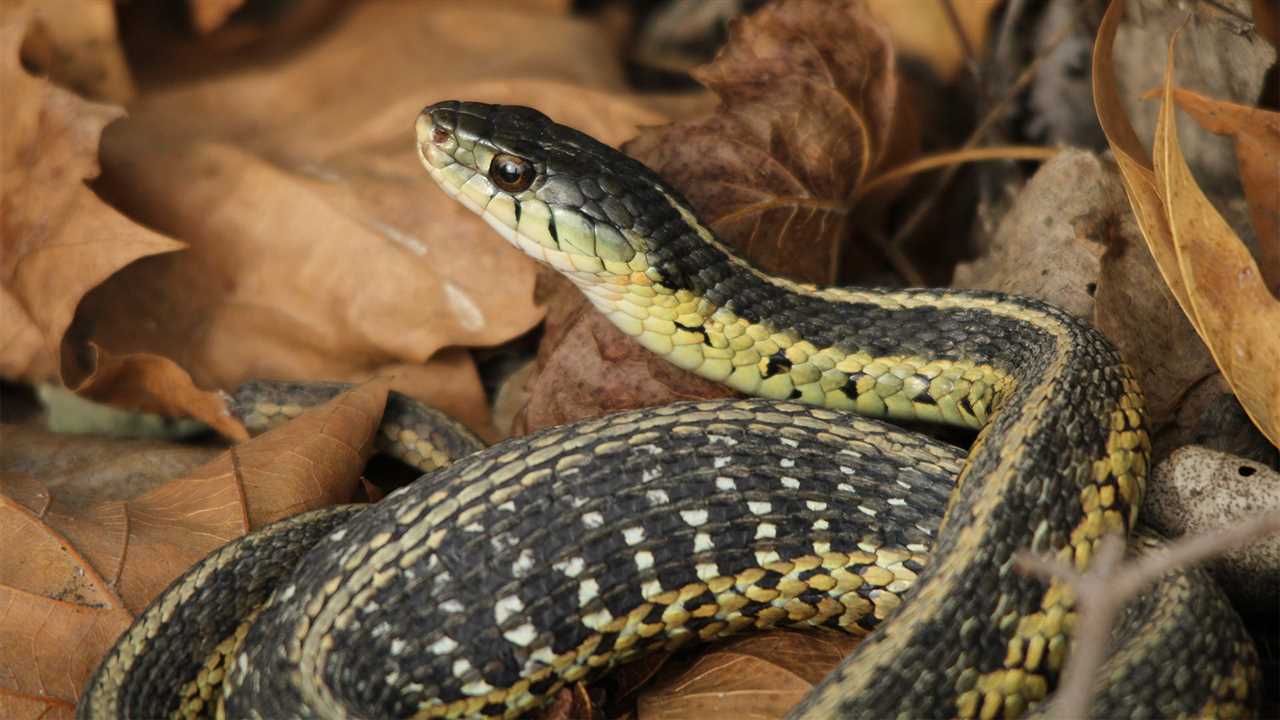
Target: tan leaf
(1236, 314)
(808, 93)
(319, 248)
(57, 239)
(924, 29)
(76, 45)
(1131, 157)
(1257, 137)
(87, 569)
(155, 384)
(758, 677)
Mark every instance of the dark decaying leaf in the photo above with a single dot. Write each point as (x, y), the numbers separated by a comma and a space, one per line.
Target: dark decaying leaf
(808, 90)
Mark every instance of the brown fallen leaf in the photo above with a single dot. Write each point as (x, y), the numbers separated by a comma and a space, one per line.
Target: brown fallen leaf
(1208, 269)
(57, 239)
(924, 29)
(319, 248)
(76, 46)
(86, 570)
(154, 384)
(1257, 137)
(758, 677)
(808, 92)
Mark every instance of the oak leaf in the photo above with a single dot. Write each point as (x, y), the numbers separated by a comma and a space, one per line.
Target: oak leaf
(88, 569)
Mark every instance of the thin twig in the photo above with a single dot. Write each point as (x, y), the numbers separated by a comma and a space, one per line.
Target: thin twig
(993, 114)
(1103, 590)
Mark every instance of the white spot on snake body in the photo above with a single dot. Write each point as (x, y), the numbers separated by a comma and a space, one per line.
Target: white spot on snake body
(789, 442)
(650, 589)
(644, 560)
(845, 488)
(726, 484)
(815, 505)
(397, 646)
(506, 607)
(649, 448)
(708, 571)
(649, 474)
(766, 530)
(866, 511)
(820, 524)
(522, 635)
(523, 563)
(790, 482)
(598, 619)
(288, 592)
(467, 312)
(473, 527)
(443, 646)
(337, 535)
(694, 518)
(570, 567)
(587, 591)
(721, 439)
(720, 462)
(633, 534)
(759, 508)
(899, 502)
(451, 606)
(702, 542)
(657, 497)
(822, 548)
(764, 557)
(509, 506)
(592, 520)
(476, 687)
(787, 463)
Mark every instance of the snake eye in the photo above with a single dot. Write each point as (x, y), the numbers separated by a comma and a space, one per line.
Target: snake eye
(439, 135)
(511, 173)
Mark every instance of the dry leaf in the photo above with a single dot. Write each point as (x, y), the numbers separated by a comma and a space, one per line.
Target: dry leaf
(923, 29)
(758, 677)
(76, 45)
(57, 239)
(154, 384)
(1209, 270)
(1234, 310)
(808, 91)
(83, 469)
(1257, 138)
(88, 569)
(319, 248)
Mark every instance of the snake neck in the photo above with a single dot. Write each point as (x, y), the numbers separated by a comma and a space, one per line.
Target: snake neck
(1058, 411)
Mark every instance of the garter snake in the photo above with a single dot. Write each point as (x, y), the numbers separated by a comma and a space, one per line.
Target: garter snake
(484, 587)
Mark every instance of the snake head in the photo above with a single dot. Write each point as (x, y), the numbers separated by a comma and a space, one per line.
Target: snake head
(559, 195)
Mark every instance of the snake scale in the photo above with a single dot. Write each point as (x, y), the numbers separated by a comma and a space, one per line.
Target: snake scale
(484, 587)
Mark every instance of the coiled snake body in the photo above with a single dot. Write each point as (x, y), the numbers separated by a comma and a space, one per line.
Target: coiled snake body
(546, 559)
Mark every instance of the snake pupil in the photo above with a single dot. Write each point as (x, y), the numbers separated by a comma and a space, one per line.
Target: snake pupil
(511, 173)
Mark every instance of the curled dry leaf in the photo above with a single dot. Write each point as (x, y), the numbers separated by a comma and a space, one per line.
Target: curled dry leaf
(808, 92)
(758, 677)
(1207, 268)
(86, 570)
(155, 384)
(57, 239)
(1256, 133)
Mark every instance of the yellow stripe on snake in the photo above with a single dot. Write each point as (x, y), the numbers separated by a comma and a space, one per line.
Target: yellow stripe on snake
(484, 587)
